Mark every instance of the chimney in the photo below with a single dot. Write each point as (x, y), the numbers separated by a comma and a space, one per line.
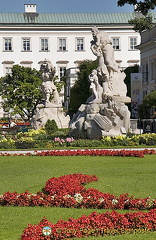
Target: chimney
(30, 8)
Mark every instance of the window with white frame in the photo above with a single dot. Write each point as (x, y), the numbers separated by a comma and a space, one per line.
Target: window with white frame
(44, 44)
(7, 66)
(116, 43)
(26, 44)
(132, 43)
(62, 44)
(8, 70)
(7, 44)
(79, 44)
(62, 72)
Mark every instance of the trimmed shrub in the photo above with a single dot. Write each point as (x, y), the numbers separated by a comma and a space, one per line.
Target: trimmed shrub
(51, 126)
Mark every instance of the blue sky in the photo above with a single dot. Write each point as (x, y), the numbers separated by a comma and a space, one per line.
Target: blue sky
(65, 6)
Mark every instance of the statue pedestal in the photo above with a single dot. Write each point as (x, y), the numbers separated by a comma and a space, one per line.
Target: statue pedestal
(95, 120)
(53, 113)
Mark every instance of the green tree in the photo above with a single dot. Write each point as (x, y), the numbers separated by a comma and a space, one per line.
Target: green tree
(81, 90)
(142, 23)
(148, 102)
(143, 20)
(21, 91)
(141, 6)
(128, 71)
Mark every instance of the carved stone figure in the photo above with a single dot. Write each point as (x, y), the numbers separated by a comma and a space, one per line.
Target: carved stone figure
(52, 107)
(105, 112)
(49, 90)
(108, 72)
(95, 86)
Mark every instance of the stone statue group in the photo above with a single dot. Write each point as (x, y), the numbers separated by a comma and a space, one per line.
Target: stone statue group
(107, 78)
(105, 112)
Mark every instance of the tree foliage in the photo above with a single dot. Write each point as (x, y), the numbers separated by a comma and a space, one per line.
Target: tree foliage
(143, 20)
(128, 71)
(141, 6)
(148, 102)
(51, 126)
(142, 23)
(21, 91)
(81, 90)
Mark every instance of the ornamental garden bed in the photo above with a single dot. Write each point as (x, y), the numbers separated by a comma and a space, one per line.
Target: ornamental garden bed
(39, 139)
(116, 175)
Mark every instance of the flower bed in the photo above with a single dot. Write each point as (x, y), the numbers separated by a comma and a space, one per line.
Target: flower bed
(94, 225)
(69, 191)
(86, 152)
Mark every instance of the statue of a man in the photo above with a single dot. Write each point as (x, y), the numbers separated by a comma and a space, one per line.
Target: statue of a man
(49, 90)
(101, 40)
(109, 75)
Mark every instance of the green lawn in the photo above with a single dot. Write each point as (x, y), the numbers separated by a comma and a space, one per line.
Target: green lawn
(136, 176)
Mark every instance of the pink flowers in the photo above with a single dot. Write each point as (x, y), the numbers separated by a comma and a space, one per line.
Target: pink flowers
(61, 141)
(69, 139)
(69, 191)
(94, 225)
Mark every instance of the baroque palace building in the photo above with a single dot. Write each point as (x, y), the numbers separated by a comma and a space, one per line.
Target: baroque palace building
(64, 38)
(29, 38)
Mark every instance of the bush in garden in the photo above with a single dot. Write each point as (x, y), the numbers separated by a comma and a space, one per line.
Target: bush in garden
(87, 143)
(61, 133)
(31, 133)
(133, 140)
(25, 143)
(6, 143)
(115, 141)
(148, 139)
(51, 127)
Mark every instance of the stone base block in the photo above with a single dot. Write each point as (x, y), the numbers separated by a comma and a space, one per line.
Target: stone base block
(55, 113)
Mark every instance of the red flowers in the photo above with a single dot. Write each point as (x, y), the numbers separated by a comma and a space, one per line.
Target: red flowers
(97, 152)
(86, 152)
(94, 225)
(68, 184)
(69, 191)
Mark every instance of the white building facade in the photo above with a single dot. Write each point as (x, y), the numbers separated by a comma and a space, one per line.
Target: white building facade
(148, 60)
(30, 37)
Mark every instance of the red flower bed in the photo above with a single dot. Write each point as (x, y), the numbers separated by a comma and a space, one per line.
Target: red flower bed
(69, 191)
(86, 152)
(94, 225)
(97, 152)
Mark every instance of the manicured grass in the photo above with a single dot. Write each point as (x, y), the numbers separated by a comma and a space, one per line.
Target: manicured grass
(136, 176)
